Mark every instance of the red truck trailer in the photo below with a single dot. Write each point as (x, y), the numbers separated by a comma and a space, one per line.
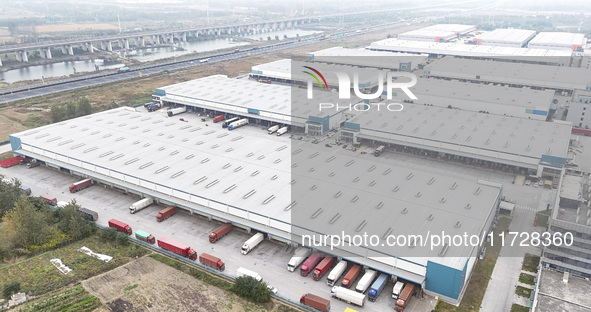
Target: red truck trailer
(322, 268)
(80, 185)
(404, 297)
(52, 201)
(145, 236)
(220, 232)
(120, 226)
(177, 248)
(212, 261)
(218, 118)
(310, 263)
(316, 302)
(165, 213)
(351, 276)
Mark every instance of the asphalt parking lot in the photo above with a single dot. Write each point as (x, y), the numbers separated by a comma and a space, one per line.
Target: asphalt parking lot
(269, 259)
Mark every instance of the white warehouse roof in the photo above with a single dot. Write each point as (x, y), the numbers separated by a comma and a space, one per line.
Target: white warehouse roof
(427, 35)
(542, 76)
(249, 179)
(558, 39)
(461, 49)
(504, 139)
(517, 37)
(367, 58)
(495, 99)
(455, 28)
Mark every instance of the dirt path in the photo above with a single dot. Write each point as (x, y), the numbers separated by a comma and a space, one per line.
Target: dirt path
(160, 288)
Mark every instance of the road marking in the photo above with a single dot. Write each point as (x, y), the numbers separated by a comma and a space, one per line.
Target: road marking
(526, 208)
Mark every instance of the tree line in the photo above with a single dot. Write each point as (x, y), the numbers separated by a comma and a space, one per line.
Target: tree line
(69, 110)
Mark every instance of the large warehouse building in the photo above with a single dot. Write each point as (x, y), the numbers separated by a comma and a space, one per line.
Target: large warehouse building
(253, 182)
(460, 49)
(517, 38)
(261, 103)
(493, 99)
(492, 141)
(560, 78)
(559, 41)
(369, 58)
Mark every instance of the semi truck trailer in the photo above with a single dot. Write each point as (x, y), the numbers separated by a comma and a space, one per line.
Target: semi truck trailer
(299, 256)
(238, 124)
(365, 280)
(336, 273)
(145, 236)
(348, 295)
(322, 268)
(246, 272)
(310, 263)
(80, 185)
(273, 129)
(176, 111)
(89, 213)
(165, 213)
(397, 289)
(229, 121)
(351, 276)
(177, 248)
(316, 302)
(377, 287)
(218, 118)
(252, 242)
(404, 297)
(120, 226)
(212, 261)
(282, 131)
(50, 200)
(220, 232)
(140, 204)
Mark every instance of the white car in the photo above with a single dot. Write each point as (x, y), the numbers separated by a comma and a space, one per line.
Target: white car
(272, 289)
(536, 184)
(527, 182)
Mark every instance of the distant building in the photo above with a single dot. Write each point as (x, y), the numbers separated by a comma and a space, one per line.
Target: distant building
(559, 41)
(505, 37)
(579, 110)
(437, 33)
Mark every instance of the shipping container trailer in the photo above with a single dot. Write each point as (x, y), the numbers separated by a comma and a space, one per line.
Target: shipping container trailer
(397, 289)
(322, 268)
(404, 297)
(90, 214)
(336, 273)
(140, 204)
(52, 201)
(310, 263)
(80, 185)
(165, 213)
(218, 118)
(316, 302)
(282, 131)
(145, 236)
(252, 242)
(366, 280)
(351, 276)
(238, 124)
(300, 254)
(177, 248)
(377, 287)
(176, 111)
(229, 121)
(273, 129)
(348, 295)
(246, 272)
(120, 226)
(212, 261)
(220, 232)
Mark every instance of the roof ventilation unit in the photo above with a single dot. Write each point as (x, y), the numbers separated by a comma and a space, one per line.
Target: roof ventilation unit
(335, 218)
(314, 187)
(270, 198)
(468, 206)
(477, 191)
(431, 181)
(203, 178)
(418, 194)
(380, 205)
(458, 224)
(212, 183)
(404, 211)
(388, 232)
(146, 165)
(387, 171)
(229, 150)
(371, 168)
(314, 155)
(162, 169)
(354, 199)
(315, 214)
(430, 217)
(177, 174)
(442, 200)
(443, 250)
(360, 226)
(331, 158)
(288, 207)
(338, 194)
(453, 186)
(396, 188)
(409, 176)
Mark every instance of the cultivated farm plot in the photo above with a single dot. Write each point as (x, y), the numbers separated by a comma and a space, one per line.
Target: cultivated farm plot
(148, 285)
(74, 27)
(69, 299)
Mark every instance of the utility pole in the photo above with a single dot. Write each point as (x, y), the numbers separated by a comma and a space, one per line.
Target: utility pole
(118, 21)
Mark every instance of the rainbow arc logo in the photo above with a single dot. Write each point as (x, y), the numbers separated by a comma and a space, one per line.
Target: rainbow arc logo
(315, 77)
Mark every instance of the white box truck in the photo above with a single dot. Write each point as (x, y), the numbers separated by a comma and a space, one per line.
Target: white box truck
(282, 131)
(397, 289)
(336, 273)
(246, 272)
(238, 124)
(347, 295)
(273, 129)
(299, 256)
(141, 204)
(252, 242)
(365, 281)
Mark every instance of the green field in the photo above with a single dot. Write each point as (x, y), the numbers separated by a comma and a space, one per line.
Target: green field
(530, 263)
(38, 276)
(74, 299)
